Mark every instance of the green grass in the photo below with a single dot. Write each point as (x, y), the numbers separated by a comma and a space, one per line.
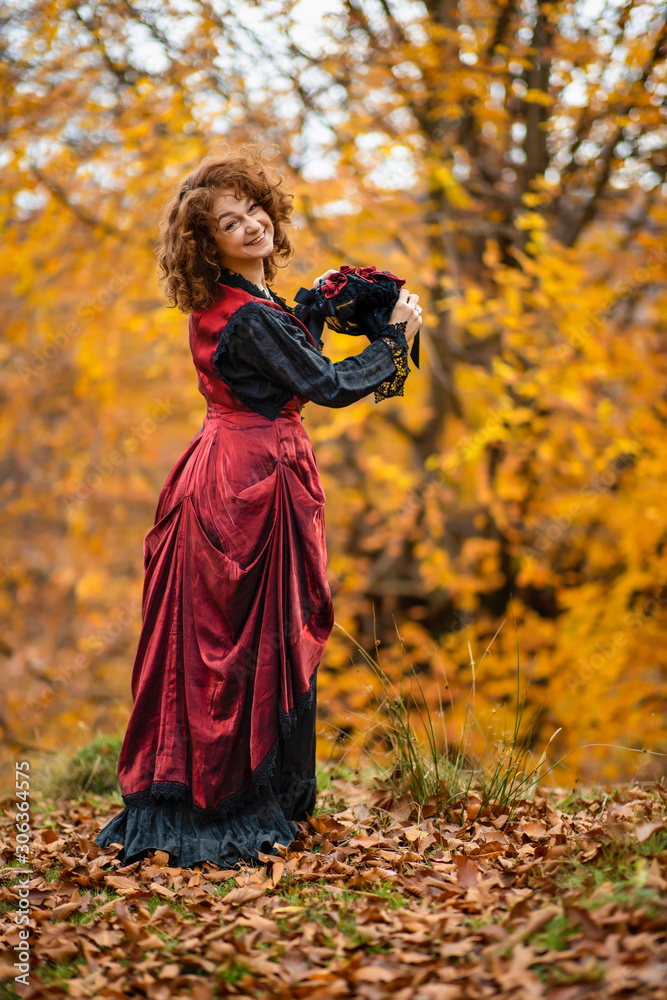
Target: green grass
(417, 772)
(222, 888)
(96, 900)
(8, 992)
(556, 935)
(655, 845)
(321, 892)
(91, 770)
(234, 973)
(476, 923)
(347, 925)
(328, 799)
(388, 892)
(110, 894)
(53, 873)
(169, 941)
(79, 917)
(53, 972)
(15, 863)
(619, 874)
(334, 908)
(327, 774)
(292, 896)
(503, 774)
(176, 905)
(578, 799)
(555, 976)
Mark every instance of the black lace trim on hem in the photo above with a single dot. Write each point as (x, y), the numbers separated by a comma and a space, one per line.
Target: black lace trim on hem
(176, 790)
(399, 350)
(266, 409)
(302, 703)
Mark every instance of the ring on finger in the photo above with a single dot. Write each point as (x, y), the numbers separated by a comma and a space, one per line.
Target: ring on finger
(418, 309)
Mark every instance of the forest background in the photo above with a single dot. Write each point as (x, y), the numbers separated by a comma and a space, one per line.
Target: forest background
(508, 160)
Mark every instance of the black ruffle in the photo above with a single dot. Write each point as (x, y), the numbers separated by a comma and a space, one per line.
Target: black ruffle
(235, 280)
(174, 827)
(281, 302)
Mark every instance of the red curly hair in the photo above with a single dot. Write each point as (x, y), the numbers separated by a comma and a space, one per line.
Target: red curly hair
(187, 252)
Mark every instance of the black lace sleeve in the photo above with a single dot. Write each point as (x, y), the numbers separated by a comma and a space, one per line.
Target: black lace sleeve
(266, 351)
(395, 333)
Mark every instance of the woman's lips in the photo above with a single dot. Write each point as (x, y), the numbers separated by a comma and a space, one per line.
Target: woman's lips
(254, 243)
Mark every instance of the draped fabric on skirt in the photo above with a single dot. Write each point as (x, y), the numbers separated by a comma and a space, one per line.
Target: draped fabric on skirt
(237, 610)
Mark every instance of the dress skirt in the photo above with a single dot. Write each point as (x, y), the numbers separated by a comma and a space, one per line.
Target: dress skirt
(218, 760)
(267, 819)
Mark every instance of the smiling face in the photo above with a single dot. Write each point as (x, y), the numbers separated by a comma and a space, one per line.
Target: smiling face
(243, 231)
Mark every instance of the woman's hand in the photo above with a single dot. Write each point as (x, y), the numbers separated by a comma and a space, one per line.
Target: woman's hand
(406, 311)
(323, 277)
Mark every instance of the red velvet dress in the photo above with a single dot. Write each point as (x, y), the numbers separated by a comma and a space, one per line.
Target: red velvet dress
(218, 757)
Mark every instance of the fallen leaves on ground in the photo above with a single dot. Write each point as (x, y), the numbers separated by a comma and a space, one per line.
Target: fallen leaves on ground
(563, 900)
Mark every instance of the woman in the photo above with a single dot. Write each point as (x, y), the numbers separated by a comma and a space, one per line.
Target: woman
(218, 760)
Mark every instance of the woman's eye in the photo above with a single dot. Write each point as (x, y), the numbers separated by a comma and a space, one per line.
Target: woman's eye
(230, 225)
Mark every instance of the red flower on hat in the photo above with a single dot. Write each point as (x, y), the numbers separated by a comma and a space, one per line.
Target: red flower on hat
(399, 281)
(371, 272)
(337, 281)
(334, 284)
(367, 273)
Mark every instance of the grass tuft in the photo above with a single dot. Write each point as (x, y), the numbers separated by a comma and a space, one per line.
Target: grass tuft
(91, 770)
(443, 779)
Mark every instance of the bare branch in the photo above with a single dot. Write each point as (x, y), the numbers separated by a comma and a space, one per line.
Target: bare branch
(590, 209)
(75, 209)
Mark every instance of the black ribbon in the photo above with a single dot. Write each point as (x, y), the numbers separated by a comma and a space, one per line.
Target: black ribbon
(312, 315)
(414, 350)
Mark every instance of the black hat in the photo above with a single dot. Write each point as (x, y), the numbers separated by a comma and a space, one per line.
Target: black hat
(352, 300)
